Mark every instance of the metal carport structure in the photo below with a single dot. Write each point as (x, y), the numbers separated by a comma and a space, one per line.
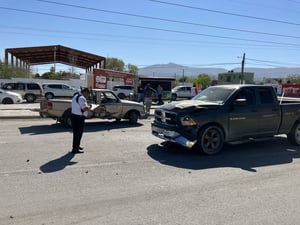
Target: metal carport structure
(24, 57)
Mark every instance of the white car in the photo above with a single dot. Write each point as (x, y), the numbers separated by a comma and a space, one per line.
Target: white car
(8, 97)
(54, 90)
(181, 92)
(123, 91)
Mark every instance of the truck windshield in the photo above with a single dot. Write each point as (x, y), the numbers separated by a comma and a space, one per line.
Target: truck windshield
(214, 94)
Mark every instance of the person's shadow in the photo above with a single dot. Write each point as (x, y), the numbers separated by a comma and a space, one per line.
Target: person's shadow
(58, 164)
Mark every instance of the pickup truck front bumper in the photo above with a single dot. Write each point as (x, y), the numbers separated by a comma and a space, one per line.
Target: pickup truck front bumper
(172, 136)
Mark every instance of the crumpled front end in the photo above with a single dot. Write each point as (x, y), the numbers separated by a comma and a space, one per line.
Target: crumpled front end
(166, 126)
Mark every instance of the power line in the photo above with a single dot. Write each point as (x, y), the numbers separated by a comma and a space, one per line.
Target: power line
(268, 61)
(149, 28)
(227, 13)
(97, 35)
(169, 20)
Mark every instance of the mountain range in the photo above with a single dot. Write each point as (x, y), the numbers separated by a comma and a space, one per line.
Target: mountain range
(176, 71)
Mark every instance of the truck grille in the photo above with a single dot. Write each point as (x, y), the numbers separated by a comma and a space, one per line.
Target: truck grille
(165, 117)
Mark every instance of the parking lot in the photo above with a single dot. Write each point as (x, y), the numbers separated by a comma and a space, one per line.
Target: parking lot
(128, 176)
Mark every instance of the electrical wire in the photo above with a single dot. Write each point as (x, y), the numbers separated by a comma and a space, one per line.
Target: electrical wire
(149, 28)
(168, 20)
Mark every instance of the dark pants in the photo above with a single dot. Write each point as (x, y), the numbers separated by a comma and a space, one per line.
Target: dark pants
(77, 124)
(160, 102)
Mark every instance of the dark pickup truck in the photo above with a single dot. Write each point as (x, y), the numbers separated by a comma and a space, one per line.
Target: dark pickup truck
(228, 113)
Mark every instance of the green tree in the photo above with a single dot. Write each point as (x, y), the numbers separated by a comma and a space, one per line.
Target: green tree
(293, 78)
(203, 80)
(183, 79)
(132, 69)
(8, 71)
(49, 75)
(115, 64)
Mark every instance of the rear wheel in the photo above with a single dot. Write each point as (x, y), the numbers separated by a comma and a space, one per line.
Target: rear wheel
(122, 96)
(173, 97)
(294, 135)
(49, 95)
(66, 118)
(30, 98)
(211, 139)
(7, 101)
(133, 117)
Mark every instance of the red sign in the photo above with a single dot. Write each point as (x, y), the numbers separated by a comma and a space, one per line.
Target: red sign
(101, 76)
(290, 90)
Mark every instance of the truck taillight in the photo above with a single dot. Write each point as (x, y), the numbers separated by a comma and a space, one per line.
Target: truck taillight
(49, 105)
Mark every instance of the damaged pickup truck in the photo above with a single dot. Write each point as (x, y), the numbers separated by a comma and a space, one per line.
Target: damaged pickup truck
(105, 105)
(228, 113)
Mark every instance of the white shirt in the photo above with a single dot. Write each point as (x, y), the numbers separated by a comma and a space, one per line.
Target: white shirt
(77, 106)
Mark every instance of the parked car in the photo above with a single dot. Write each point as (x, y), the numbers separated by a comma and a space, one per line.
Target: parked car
(53, 90)
(181, 92)
(123, 91)
(29, 91)
(8, 97)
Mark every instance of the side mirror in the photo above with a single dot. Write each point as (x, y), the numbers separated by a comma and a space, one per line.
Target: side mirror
(240, 102)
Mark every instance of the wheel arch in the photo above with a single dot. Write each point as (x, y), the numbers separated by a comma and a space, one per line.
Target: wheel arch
(200, 128)
(65, 117)
(49, 92)
(7, 100)
(126, 116)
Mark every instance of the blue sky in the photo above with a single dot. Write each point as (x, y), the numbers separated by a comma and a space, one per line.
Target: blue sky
(198, 33)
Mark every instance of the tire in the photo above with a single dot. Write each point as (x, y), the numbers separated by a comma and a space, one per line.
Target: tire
(173, 97)
(294, 135)
(122, 96)
(49, 95)
(7, 101)
(66, 118)
(43, 114)
(211, 140)
(133, 117)
(30, 98)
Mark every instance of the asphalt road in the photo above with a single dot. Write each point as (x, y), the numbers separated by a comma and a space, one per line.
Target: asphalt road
(127, 176)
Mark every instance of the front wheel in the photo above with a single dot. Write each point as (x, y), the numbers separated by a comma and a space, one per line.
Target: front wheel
(7, 101)
(133, 117)
(294, 135)
(211, 139)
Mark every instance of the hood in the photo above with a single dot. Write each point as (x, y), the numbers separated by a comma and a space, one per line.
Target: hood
(188, 104)
(12, 93)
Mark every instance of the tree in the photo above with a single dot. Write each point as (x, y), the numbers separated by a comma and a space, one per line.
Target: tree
(293, 78)
(8, 71)
(115, 64)
(49, 75)
(132, 68)
(203, 80)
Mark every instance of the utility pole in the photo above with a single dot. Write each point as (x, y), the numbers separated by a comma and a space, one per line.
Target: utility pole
(242, 72)
(183, 76)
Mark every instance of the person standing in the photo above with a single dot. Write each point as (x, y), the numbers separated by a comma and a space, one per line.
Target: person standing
(194, 90)
(159, 94)
(79, 113)
(140, 92)
(148, 91)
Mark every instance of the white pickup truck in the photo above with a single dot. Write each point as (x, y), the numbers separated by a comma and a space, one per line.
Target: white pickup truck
(105, 105)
